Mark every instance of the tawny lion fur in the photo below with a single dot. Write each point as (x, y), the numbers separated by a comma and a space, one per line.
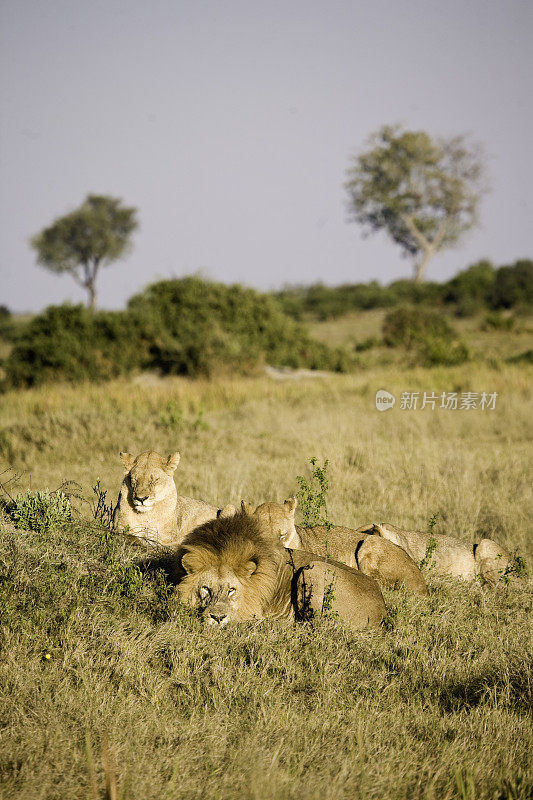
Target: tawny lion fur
(451, 556)
(149, 507)
(376, 557)
(231, 571)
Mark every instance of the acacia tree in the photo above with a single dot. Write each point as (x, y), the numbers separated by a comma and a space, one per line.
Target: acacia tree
(424, 193)
(94, 235)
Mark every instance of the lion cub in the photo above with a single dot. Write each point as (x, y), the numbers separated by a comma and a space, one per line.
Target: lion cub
(149, 507)
(382, 560)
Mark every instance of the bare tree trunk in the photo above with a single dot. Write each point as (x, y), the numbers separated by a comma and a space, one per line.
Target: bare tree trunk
(91, 288)
(90, 283)
(420, 265)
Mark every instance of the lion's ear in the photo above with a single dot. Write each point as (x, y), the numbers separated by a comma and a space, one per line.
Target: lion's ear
(227, 511)
(172, 462)
(128, 460)
(188, 562)
(291, 504)
(249, 568)
(247, 508)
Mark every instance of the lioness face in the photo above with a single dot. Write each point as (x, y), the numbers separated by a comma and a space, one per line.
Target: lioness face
(277, 520)
(149, 479)
(216, 594)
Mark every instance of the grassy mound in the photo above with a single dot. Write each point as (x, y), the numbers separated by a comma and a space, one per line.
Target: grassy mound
(105, 675)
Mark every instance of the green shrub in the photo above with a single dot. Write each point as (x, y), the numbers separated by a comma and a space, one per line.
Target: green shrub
(427, 332)
(182, 327)
(74, 344)
(329, 302)
(513, 285)
(367, 344)
(495, 320)
(41, 511)
(479, 286)
(201, 327)
(521, 358)
(470, 289)
(6, 323)
(405, 327)
(405, 291)
(436, 351)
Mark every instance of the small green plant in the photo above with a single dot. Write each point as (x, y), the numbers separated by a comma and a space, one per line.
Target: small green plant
(329, 593)
(516, 568)
(519, 566)
(199, 424)
(127, 581)
(432, 521)
(172, 417)
(41, 511)
(432, 544)
(312, 498)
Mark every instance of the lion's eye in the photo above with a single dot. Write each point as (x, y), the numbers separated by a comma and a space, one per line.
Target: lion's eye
(231, 591)
(205, 592)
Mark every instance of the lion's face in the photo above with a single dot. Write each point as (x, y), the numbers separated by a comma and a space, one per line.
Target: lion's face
(149, 478)
(218, 597)
(229, 577)
(277, 520)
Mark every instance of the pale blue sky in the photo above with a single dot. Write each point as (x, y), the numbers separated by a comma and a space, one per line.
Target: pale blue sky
(229, 124)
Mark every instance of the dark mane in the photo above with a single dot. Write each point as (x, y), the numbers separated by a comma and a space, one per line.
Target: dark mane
(232, 543)
(240, 533)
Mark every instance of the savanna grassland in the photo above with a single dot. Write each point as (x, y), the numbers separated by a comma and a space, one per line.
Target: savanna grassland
(104, 675)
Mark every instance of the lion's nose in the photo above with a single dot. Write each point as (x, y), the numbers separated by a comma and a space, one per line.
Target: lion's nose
(141, 499)
(218, 617)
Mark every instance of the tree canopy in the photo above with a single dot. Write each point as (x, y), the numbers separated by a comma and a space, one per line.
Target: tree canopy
(424, 193)
(94, 235)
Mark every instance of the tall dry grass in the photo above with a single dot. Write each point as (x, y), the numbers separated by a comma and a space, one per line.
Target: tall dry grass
(434, 705)
(251, 437)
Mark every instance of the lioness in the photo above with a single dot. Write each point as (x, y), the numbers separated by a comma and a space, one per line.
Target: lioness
(231, 571)
(450, 556)
(382, 560)
(149, 507)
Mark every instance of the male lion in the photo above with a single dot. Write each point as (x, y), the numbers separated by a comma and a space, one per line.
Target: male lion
(382, 560)
(149, 507)
(232, 572)
(450, 556)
